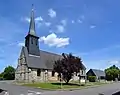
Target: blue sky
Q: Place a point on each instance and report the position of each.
(87, 28)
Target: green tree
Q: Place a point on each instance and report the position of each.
(68, 65)
(9, 73)
(92, 78)
(1, 75)
(112, 72)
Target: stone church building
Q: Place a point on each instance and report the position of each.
(37, 65)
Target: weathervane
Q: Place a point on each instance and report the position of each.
(32, 7)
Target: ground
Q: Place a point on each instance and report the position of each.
(58, 85)
(16, 89)
(22, 90)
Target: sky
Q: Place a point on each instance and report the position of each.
(89, 29)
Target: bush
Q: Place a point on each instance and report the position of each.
(92, 78)
(108, 78)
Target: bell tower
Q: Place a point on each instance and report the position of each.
(31, 40)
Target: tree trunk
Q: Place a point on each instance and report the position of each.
(67, 81)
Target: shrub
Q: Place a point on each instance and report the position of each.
(92, 78)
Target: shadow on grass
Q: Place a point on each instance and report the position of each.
(69, 84)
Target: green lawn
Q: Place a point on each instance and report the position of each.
(52, 85)
(58, 85)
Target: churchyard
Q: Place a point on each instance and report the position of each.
(63, 86)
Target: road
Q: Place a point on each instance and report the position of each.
(108, 88)
(18, 90)
(21, 90)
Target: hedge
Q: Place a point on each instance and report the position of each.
(92, 78)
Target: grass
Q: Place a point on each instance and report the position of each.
(54, 86)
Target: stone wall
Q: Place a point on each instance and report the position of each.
(23, 73)
(31, 76)
(52, 78)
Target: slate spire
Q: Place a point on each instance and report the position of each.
(32, 23)
(31, 40)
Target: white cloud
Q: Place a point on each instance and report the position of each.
(39, 21)
(21, 44)
(92, 26)
(79, 21)
(27, 19)
(47, 24)
(39, 18)
(52, 13)
(53, 40)
(60, 28)
(64, 22)
(73, 21)
(114, 62)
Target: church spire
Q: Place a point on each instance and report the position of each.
(31, 40)
(32, 23)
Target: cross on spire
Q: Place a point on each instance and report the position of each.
(32, 23)
(32, 7)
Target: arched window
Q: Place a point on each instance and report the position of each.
(82, 72)
(38, 72)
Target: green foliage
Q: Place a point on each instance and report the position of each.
(54, 86)
(112, 73)
(92, 78)
(67, 66)
(9, 73)
(1, 75)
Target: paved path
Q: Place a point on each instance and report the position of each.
(20, 90)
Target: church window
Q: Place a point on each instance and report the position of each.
(53, 73)
(38, 72)
(82, 72)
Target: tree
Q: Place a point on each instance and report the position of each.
(9, 73)
(1, 75)
(112, 72)
(68, 65)
(92, 78)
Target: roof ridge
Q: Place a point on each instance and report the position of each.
(50, 52)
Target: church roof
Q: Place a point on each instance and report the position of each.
(44, 61)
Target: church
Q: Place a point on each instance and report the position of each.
(36, 65)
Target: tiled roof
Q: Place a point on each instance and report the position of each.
(97, 72)
(44, 61)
